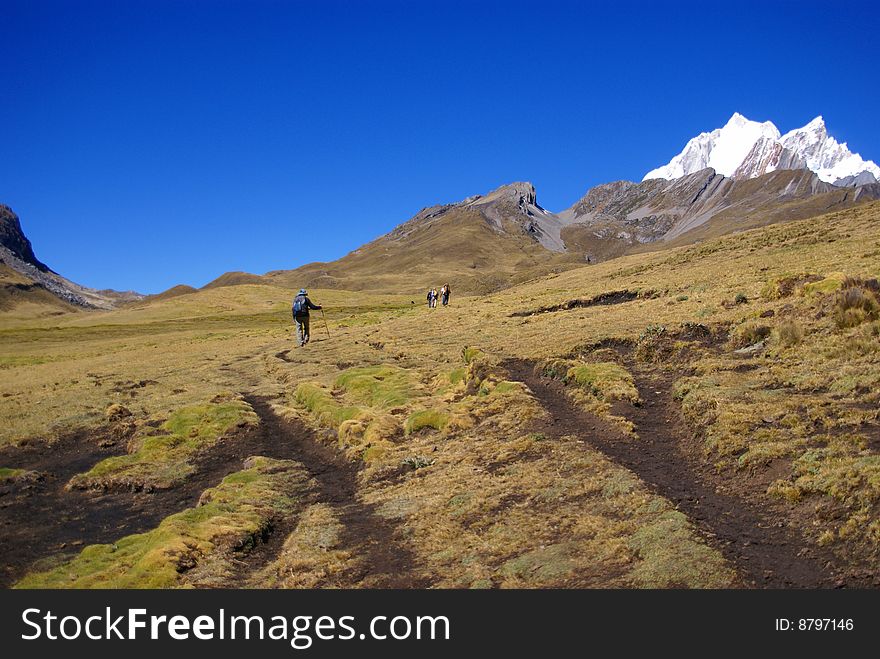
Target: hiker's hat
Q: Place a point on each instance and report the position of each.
(302, 291)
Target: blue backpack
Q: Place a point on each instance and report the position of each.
(299, 305)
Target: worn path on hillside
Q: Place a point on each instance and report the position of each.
(379, 560)
(765, 552)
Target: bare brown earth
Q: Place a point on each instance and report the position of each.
(40, 517)
(611, 297)
(766, 552)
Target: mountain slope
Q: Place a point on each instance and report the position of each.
(480, 244)
(26, 298)
(612, 219)
(488, 242)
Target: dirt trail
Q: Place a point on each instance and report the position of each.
(603, 299)
(766, 553)
(41, 518)
(381, 561)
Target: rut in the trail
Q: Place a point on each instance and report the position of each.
(43, 518)
(381, 561)
(765, 552)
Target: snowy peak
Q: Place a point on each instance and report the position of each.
(816, 124)
(746, 149)
(723, 149)
(831, 160)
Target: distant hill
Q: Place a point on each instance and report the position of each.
(233, 279)
(174, 291)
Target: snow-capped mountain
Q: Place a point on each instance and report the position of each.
(824, 155)
(723, 149)
(746, 149)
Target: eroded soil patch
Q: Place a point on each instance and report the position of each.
(40, 519)
(766, 552)
(610, 297)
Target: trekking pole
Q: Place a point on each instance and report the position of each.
(325, 323)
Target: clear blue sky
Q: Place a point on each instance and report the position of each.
(150, 143)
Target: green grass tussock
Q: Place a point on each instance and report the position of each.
(856, 302)
(9, 474)
(163, 460)
(789, 333)
(470, 354)
(749, 333)
(422, 419)
(829, 284)
(786, 285)
(377, 386)
(605, 380)
(326, 409)
(457, 376)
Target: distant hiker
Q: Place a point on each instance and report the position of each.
(434, 297)
(444, 294)
(430, 298)
(301, 306)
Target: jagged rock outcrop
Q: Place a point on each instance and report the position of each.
(17, 253)
(14, 240)
(860, 179)
(512, 208)
(768, 155)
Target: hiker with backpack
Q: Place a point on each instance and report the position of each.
(432, 296)
(301, 306)
(444, 294)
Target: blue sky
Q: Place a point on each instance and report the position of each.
(147, 144)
